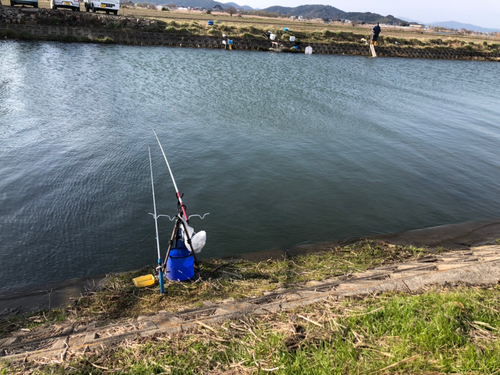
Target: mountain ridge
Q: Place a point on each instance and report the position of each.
(328, 12)
(460, 26)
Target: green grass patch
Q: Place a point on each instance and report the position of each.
(437, 332)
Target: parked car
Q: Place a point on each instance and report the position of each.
(33, 3)
(105, 5)
(70, 4)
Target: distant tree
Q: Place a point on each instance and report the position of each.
(208, 11)
(231, 11)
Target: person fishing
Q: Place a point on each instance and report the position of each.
(375, 32)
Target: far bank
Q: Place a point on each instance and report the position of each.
(79, 27)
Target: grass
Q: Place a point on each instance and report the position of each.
(440, 331)
(195, 23)
(219, 280)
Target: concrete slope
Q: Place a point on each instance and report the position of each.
(476, 266)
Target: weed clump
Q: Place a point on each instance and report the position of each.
(247, 35)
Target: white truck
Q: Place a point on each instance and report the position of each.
(105, 5)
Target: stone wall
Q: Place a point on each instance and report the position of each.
(46, 24)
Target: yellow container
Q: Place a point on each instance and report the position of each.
(143, 281)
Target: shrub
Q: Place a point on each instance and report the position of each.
(8, 33)
(416, 42)
(26, 36)
(316, 35)
(70, 38)
(255, 30)
(328, 34)
(113, 25)
(344, 36)
(436, 41)
(226, 28)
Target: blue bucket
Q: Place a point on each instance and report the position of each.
(180, 264)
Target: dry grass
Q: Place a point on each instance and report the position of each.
(439, 331)
(299, 28)
(218, 280)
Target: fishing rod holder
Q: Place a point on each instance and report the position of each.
(175, 217)
(179, 251)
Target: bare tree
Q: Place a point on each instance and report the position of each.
(231, 11)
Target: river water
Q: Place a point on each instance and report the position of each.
(280, 149)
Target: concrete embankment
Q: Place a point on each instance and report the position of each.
(43, 24)
(462, 236)
(477, 266)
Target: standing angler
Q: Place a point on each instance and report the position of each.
(375, 31)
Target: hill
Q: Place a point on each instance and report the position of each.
(466, 26)
(243, 7)
(329, 12)
(207, 4)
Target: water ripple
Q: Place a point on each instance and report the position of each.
(280, 149)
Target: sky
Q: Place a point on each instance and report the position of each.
(484, 13)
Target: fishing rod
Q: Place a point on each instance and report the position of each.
(160, 265)
(179, 198)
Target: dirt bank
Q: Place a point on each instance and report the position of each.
(57, 25)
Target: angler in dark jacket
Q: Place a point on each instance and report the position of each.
(375, 31)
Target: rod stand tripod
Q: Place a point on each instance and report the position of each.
(174, 239)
